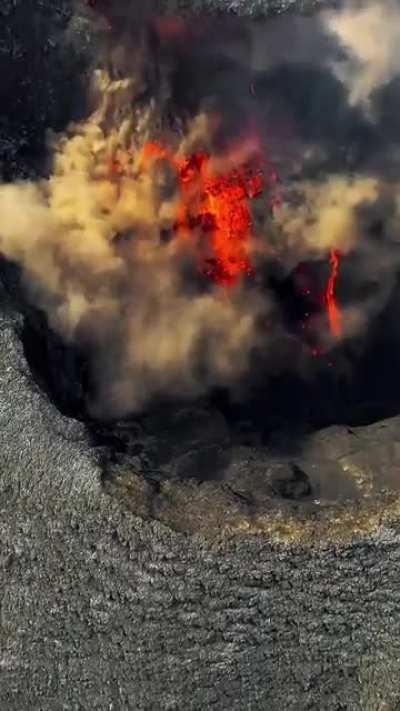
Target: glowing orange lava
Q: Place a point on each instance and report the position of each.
(334, 316)
(214, 206)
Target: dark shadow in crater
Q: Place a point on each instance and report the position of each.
(58, 368)
(296, 487)
(183, 440)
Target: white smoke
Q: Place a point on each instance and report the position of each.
(369, 32)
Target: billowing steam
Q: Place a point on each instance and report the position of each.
(141, 245)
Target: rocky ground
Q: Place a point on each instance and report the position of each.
(173, 566)
(102, 608)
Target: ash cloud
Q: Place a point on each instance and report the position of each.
(91, 251)
(89, 237)
(369, 33)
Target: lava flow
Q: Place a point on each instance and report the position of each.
(216, 206)
(333, 311)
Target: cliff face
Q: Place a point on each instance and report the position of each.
(118, 592)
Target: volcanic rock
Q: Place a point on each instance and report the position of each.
(102, 606)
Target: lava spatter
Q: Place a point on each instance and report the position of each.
(216, 205)
(333, 311)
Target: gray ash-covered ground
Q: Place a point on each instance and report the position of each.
(268, 581)
(102, 608)
(34, 66)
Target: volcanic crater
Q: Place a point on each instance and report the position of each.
(309, 433)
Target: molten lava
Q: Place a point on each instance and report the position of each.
(333, 311)
(215, 206)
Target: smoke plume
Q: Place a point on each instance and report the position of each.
(369, 33)
(126, 244)
(88, 240)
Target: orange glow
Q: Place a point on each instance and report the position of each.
(170, 28)
(215, 207)
(334, 316)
